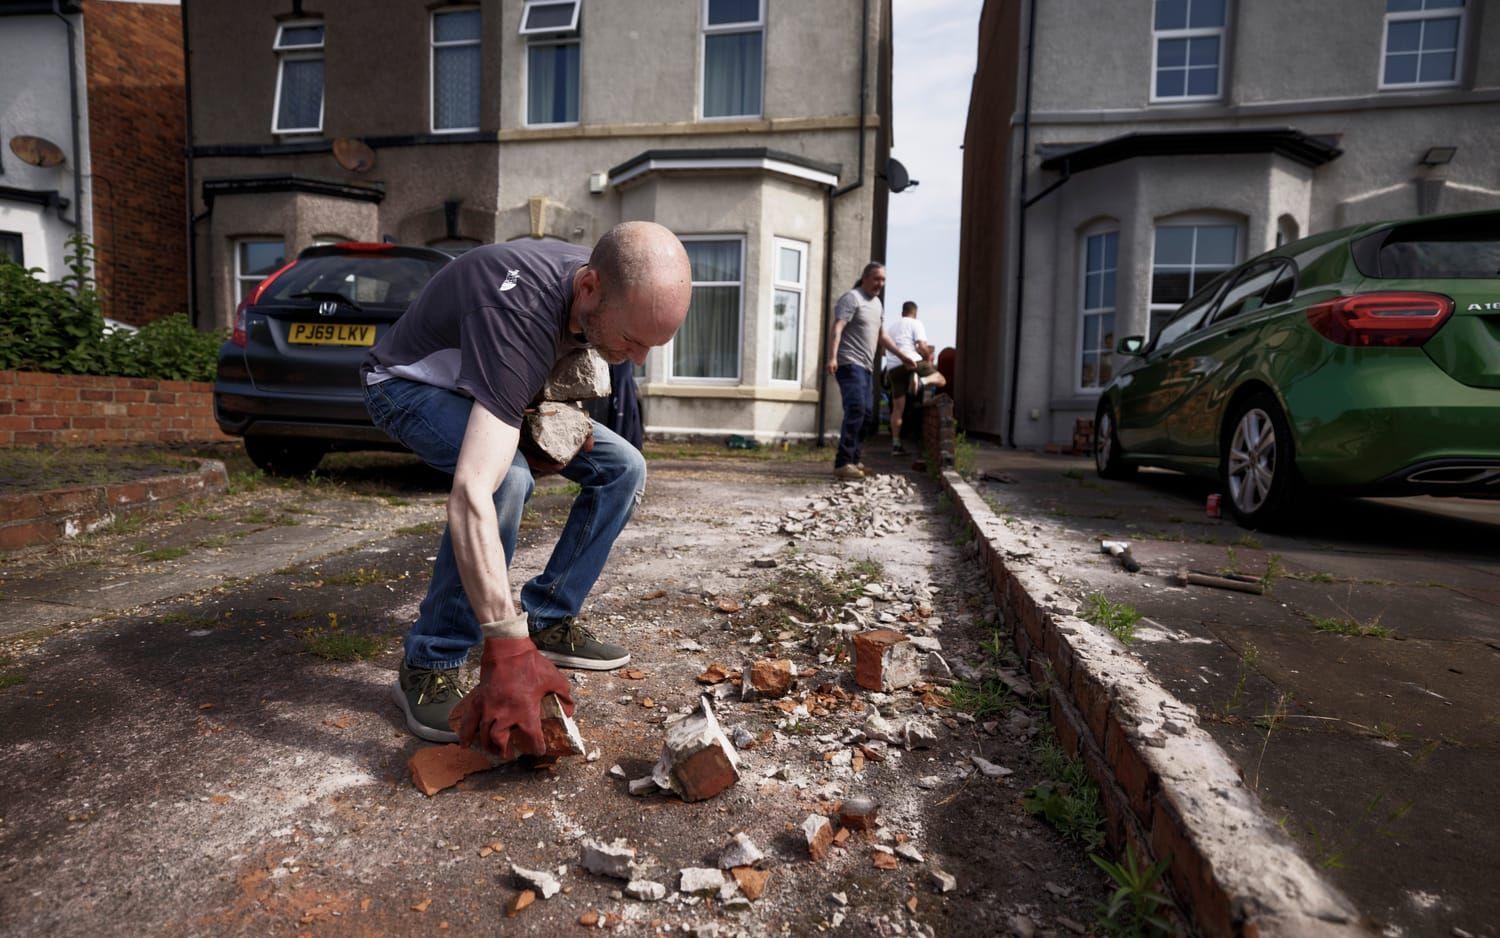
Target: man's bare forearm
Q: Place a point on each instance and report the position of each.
(489, 447)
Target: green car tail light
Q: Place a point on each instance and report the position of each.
(1383, 319)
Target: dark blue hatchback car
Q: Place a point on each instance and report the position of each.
(288, 378)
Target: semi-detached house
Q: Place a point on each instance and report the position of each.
(1118, 156)
(751, 128)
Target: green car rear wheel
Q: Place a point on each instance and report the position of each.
(1257, 469)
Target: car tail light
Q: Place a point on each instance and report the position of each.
(364, 247)
(240, 337)
(1383, 319)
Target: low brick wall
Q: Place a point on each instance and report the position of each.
(83, 410)
(30, 518)
(1168, 790)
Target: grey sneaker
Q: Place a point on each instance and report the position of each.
(849, 472)
(425, 695)
(570, 645)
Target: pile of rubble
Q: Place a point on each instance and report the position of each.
(870, 507)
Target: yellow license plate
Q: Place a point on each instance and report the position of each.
(331, 333)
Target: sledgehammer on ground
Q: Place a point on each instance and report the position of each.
(1120, 550)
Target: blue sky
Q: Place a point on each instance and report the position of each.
(934, 64)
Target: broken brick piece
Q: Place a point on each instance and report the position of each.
(522, 900)
(884, 861)
(437, 767)
(559, 732)
(768, 678)
(752, 881)
(819, 834)
(727, 605)
(885, 660)
(715, 673)
(858, 812)
(697, 760)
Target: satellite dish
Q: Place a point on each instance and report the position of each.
(37, 151)
(354, 155)
(896, 176)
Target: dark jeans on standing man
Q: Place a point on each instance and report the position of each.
(855, 388)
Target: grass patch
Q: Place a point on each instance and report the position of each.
(425, 528)
(988, 698)
(1119, 619)
(335, 644)
(11, 680)
(359, 577)
(965, 454)
(164, 553)
(266, 516)
(1067, 799)
(1137, 906)
(1316, 576)
(1249, 541)
(1348, 625)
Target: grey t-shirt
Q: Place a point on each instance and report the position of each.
(490, 325)
(862, 315)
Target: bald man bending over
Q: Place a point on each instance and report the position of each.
(487, 331)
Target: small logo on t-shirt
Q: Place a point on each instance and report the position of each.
(510, 280)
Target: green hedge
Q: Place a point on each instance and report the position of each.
(58, 327)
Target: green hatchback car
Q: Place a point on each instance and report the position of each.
(1363, 361)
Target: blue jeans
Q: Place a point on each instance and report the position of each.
(430, 421)
(855, 389)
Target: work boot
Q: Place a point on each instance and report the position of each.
(426, 695)
(849, 472)
(570, 645)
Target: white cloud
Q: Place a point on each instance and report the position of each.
(934, 65)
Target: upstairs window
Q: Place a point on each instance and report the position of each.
(1189, 50)
(455, 70)
(299, 78)
(553, 54)
(733, 57)
(1422, 39)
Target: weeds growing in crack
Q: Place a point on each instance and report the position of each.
(334, 644)
(1269, 722)
(1349, 625)
(360, 577)
(1248, 659)
(1250, 541)
(965, 452)
(1119, 619)
(1275, 570)
(162, 553)
(1067, 798)
(1136, 908)
(986, 698)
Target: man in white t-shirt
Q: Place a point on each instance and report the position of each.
(910, 336)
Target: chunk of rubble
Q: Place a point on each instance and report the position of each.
(643, 786)
(880, 729)
(858, 812)
(644, 890)
(767, 678)
(541, 882)
(752, 881)
(741, 851)
(615, 859)
(434, 768)
(937, 666)
(918, 735)
(909, 852)
(990, 769)
(582, 375)
(819, 835)
(556, 431)
(943, 882)
(700, 881)
(559, 732)
(885, 660)
(697, 760)
(925, 643)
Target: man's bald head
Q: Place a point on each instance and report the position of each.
(635, 291)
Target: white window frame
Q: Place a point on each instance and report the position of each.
(1437, 13)
(1157, 35)
(292, 53)
(240, 277)
(787, 286)
(739, 364)
(433, 46)
(529, 5)
(1189, 221)
(526, 81)
(1084, 312)
(759, 25)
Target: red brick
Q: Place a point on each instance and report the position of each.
(434, 768)
(161, 397)
(1131, 772)
(15, 423)
(58, 394)
(880, 663)
(50, 423)
(7, 377)
(16, 536)
(127, 396)
(96, 394)
(36, 379)
(33, 408)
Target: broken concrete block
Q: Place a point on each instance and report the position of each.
(541, 882)
(437, 767)
(698, 881)
(858, 812)
(819, 835)
(767, 678)
(643, 786)
(579, 376)
(880, 729)
(990, 769)
(741, 851)
(925, 643)
(615, 860)
(885, 660)
(697, 760)
(743, 738)
(644, 890)
(943, 882)
(909, 852)
(918, 735)
(557, 431)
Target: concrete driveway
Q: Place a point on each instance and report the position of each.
(1357, 694)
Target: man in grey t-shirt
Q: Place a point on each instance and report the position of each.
(451, 380)
(858, 331)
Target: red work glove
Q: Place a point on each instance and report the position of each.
(503, 714)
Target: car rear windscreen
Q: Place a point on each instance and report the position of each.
(1464, 248)
(365, 279)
